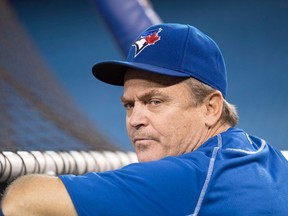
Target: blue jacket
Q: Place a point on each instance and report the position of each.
(230, 174)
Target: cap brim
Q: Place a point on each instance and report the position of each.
(113, 72)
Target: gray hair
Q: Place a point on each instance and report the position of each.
(200, 91)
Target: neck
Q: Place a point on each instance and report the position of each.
(217, 129)
(213, 131)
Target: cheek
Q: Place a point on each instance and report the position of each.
(181, 126)
(170, 128)
(128, 128)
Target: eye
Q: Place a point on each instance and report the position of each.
(155, 102)
(128, 106)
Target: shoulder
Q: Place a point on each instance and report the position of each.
(148, 182)
(186, 164)
(164, 174)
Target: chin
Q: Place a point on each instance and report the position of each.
(146, 156)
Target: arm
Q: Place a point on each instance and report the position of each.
(37, 195)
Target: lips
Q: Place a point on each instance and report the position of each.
(142, 144)
(143, 139)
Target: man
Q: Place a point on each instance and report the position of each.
(192, 159)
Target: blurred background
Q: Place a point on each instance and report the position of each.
(71, 36)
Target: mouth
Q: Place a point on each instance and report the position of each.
(142, 145)
(143, 142)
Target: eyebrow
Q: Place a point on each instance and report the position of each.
(147, 96)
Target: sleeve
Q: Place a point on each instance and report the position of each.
(154, 188)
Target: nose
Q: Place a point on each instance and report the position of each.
(137, 117)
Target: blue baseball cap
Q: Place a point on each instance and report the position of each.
(170, 49)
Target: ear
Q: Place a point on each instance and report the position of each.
(214, 105)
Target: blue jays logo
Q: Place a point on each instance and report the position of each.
(147, 38)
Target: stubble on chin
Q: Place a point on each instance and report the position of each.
(142, 148)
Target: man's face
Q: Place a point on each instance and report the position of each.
(161, 119)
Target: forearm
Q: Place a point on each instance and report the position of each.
(37, 195)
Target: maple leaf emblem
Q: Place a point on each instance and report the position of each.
(151, 39)
(146, 39)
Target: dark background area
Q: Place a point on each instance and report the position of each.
(71, 37)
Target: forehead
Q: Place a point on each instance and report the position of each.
(148, 77)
